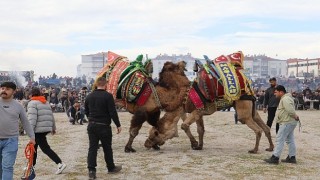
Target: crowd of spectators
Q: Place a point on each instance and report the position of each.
(302, 91)
(67, 91)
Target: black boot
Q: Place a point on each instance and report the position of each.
(291, 159)
(92, 175)
(272, 160)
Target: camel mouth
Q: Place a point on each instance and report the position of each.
(148, 144)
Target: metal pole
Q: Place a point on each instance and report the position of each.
(102, 59)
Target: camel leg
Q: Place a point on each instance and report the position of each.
(258, 131)
(244, 112)
(134, 131)
(153, 118)
(186, 127)
(137, 120)
(183, 117)
(266, 130)
(200, 129)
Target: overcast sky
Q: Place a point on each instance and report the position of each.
(50, 36)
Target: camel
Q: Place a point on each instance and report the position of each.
(246, 113)
(168, 92)
(166, 95)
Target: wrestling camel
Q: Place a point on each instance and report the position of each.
(164, 95)
(244, 107)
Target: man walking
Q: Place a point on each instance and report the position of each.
(100, 109)
(11, 112)
(287, 119)
(271, 102)
(42, 121)
(82, 98)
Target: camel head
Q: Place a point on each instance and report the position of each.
(172, 75)
(155, 138)
(181, 67)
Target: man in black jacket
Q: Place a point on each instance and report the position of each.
(271, 102)
(100, 109)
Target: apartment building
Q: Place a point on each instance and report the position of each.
(91, 64)
(159, 61)
(303, 68)
(261, 66)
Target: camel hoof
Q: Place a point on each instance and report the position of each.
(252, 151)
(197, 148)
(156, 147)
(194, 145)
(269, 149)
(129, 149)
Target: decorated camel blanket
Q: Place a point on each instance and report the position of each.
(127, 81)
(221, 80)
(112, 71)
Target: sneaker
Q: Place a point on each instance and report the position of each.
(115, 170)
(291, 159)
(92, 175)
(61, 167)
(31, 176)
(272, 160)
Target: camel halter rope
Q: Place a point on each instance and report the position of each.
(29, 153)
(155, 94)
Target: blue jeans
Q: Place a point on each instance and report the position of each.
(8, 154)
(286, 134)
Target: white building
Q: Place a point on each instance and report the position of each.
(91, 64)
(261, 66)
(159, 61)
(304, 68)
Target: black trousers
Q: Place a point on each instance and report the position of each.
(103, 133)
(271, 115)
(41, 141)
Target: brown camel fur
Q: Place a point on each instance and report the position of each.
(171, 88)
(246, 113)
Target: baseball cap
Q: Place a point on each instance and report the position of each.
(8, 84)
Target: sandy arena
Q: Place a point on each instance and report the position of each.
(225, 154)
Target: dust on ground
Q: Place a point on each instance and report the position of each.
(224, 156)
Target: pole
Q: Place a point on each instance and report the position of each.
(102, 59)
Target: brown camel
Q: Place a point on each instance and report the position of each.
(246, 113)
(165, 96)
(169, 93)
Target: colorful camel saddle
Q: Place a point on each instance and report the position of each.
(112, 71)
(134, 83)
(197, 98)
(221, 80)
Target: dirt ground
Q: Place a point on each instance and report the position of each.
(225, 154)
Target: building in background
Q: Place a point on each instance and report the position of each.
(159, 61)
(91, 64)
(256, 66)
(303, 68)
(261, 66)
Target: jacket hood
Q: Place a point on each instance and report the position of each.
(288, 94)
(39, 98)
